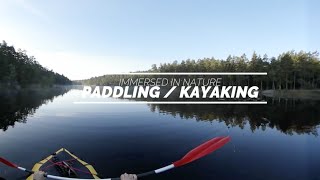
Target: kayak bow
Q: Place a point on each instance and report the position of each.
(64, 163)
(87, 171)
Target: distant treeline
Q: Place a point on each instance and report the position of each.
(19, 69)
(290, 70)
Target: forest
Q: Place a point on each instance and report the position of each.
(17, 69)
(290, 70)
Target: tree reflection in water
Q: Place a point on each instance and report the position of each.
(17, 107)
(287, 116)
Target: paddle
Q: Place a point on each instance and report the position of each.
(196, 153)
(10, 164)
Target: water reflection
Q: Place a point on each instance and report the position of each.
(121, 127)
(18, 106)
(287, 116)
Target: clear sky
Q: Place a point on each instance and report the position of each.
(85, 38)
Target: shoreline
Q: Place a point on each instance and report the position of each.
(14, 90)
(302, 94)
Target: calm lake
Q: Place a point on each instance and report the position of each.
(275, 141)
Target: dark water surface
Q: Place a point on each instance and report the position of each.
(275, 141)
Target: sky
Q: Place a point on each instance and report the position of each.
(87, 38)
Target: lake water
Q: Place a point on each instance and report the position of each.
(275, 141)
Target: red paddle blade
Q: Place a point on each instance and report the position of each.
(8, 163)
(203, 150)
